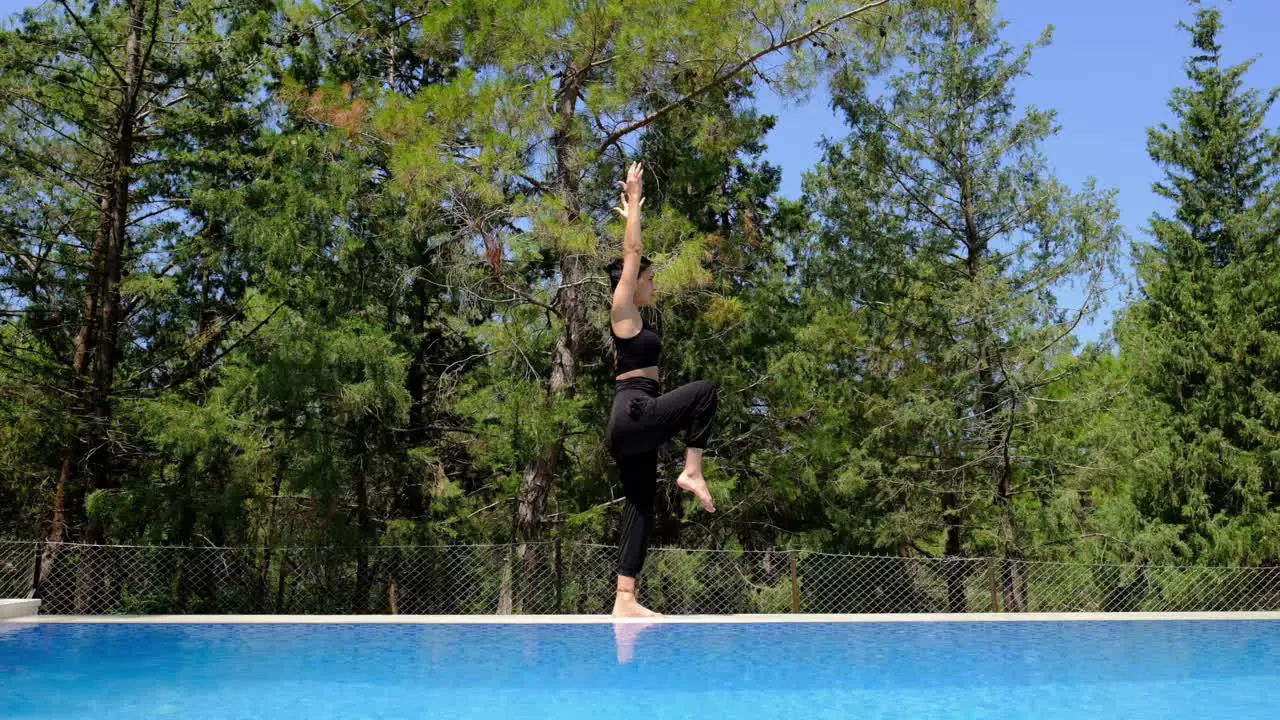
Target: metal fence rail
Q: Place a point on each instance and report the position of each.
(565, 577)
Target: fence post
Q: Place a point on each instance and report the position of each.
(283, 573)
(506, 599)
(992, 565)
(393, 594)
(559, 579)
(795, 584)
(35, 577)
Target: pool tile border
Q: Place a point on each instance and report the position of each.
(605, 619)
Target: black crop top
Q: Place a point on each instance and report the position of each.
(640, 351)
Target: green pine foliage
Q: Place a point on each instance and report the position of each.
(280, 274)
(1202, 340)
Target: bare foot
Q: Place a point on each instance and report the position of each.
(698, 486)
(625, 605)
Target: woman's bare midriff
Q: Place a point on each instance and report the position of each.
(650, 372)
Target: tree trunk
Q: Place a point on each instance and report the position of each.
(99, 335)
(107, 348)
(364, 579)
(535, 487)
(65, 493)
(957, 574)
(987, 409)
(268, 534)
(188, 560)
(57, 528)
(505, 593)
(410, 500)
(97, 338)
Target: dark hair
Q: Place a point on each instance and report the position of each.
(615, 270)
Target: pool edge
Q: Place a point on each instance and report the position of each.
(18, 607)
(605, 619)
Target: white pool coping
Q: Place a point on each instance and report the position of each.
(606, 619)
(18, 608)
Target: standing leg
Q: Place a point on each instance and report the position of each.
(634, 442)
(639, 482)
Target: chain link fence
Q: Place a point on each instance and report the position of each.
(577, 578)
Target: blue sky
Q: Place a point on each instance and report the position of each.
(1108, 74)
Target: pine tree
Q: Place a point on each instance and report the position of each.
(109, 113)
(554, 96)
(1203, 338)
(944, 237)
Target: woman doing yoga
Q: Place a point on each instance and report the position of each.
(643, 417)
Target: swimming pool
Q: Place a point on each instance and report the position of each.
(1044, 670)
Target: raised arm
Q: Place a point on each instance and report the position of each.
(625, 316)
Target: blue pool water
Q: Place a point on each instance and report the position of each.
(1206, 669)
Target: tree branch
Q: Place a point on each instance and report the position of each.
(625, 130)
(59, 133)
(151, 43)
(92, 41)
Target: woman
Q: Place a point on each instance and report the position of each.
(643, 417)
